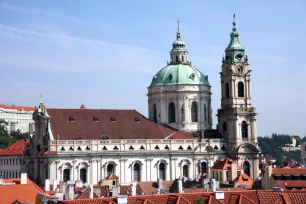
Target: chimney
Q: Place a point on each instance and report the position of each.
(24, 178)
(54, 184)
(70, 191)
(47, 185)
(180, 186)
(160, 183)
(116, 191)
(213, 185)
(133, 188)
(233, 170)
(122, 199)
(90, 191)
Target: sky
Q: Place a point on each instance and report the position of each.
(103, 54)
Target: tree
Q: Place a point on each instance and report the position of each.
(3, 130)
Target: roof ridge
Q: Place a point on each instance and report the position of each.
(244, 196)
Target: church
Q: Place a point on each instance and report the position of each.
(177, 140)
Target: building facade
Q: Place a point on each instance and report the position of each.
(17, 118)
(89, 144)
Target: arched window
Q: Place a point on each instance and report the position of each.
(205, 112)
(227, 91)
(66, 175)
(154, 113)
(244, 129)
(185, 170)
(110, 169)
(136, 172)
(171, 113)
(240, 89)
(176, 58)
(224, 126)
(194, 112)
(162, 171)
(83, 175)
(182, 58)
(203, 167)
(246, 168)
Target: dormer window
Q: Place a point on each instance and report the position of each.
(192, 76)
(71, 119)
(95, 118)
(104, 137)
(170, 77)
(113, 119)
(137, 120)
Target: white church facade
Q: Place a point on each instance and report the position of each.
(177, 140)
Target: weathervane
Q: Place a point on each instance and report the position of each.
(41, 98)
(178, 26)
(234, 22)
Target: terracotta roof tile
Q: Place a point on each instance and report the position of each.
(291, 183)
(16, 148)
(151, 187)
(225, 163)
(289, 171)
(26, 192)
(123, 126)
(244, 179)
(18, 108)
(297, 197)
(111, 176)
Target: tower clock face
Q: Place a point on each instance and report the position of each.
(240, 69)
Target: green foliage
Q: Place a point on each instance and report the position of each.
(6, 139)
(199, 201)
(271, 146)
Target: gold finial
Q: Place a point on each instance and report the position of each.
(178, 26)
(234, 22)
(41, 98)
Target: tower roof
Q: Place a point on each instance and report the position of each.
(178, 44)
(234, 43)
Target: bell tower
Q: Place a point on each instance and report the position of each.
(237, 116)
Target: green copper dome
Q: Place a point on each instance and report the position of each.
(179, 74)
(179, 70)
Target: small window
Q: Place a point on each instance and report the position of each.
(137, 120)
(131, 148)
(104, 137)
(216, 147)
(223, 148)
(192, 76)
(115, 148)
(189, 148)
(87, 148)
(79, 148)
(71, 148)
(62, 149)
(166, 147)
(142, 148)
(170, 77)
(114, 183)
(156, 147)
(113, 119)
(71, 119)
(95, 118)
(181, 148)
(104, 148)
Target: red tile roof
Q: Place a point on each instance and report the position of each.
(151, 187)
(243, 197)
(50, 152)
(244, 179)
(16, 148)
(18, 108)
(111, 177)
(116, 124)
(19, 192)
(225, 164)
(288, 171)
(291, 183)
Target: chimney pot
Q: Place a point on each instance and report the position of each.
(24, 178)
(47, 185)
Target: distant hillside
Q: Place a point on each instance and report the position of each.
(271, 146)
